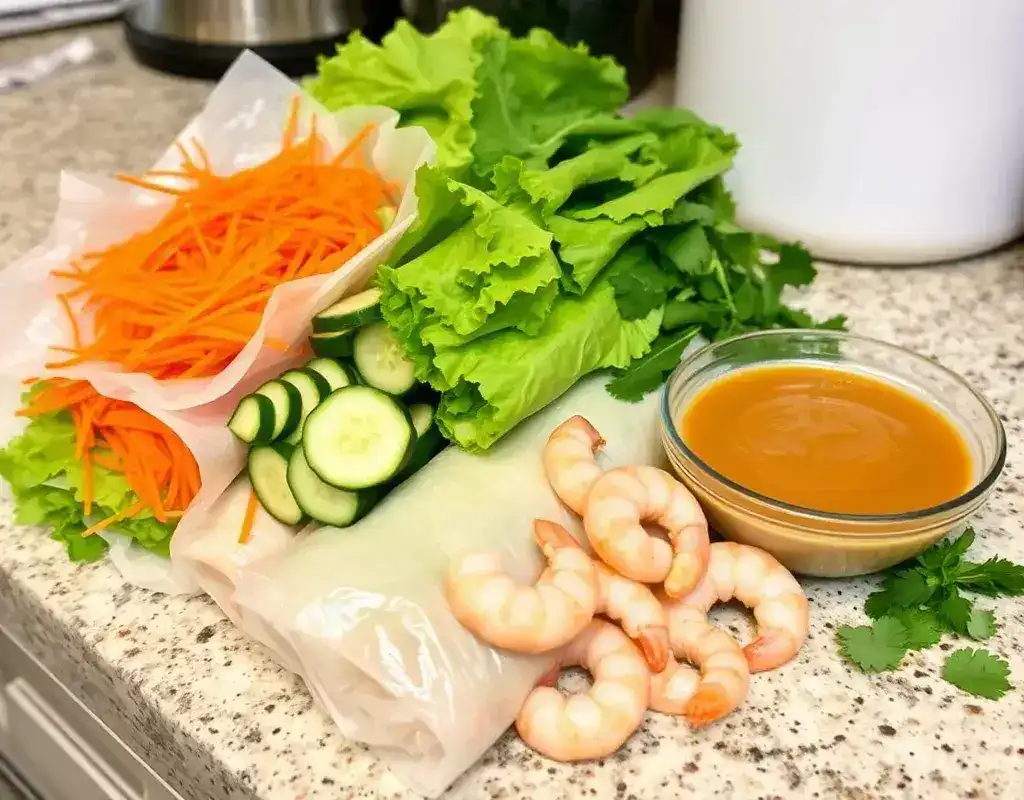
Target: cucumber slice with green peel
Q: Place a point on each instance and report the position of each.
(335, 344)
(358, 437)
(287, 404)
(268, 474)
(349, 312)
(336, 374)
(323, 386)
(313, 387)
(253, 420)
(381, 361)
(323, 502)
(429, 441)
(422, 417)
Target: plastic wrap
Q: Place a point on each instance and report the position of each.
(362, 613)
(240, 126)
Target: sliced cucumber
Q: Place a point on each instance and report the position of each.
(358, 437)
(287, 404)
(335, 344)
(268, 474)
(313, 388)
(429, 441)
(337, 375)
(349, 312)
(253, 419)
(381, 362)
(323, 502)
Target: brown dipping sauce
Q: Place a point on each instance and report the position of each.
(827, 439)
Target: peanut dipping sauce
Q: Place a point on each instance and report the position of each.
(827, 439)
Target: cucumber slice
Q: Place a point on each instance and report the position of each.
(337, 375)
(349, 312)
(287, 404)
(253, 419)
(335, 344)
(358, 437)
(323, 502)
(381, 362)
(429, 441)
(313, 388)
(268, 474)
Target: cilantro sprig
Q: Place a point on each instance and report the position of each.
(711, 277)
(922, 600)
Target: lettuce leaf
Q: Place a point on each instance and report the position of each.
(428, 79)
(530, 92)
(489, 396)
(46, 479)
(470, 268)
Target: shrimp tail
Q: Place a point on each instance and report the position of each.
(583, 425)
(549, 535)
(773, 648)
(654, 644)
(709, 703)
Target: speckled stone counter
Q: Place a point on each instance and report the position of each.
(214, 715)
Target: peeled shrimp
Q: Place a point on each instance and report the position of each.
(724, 677)
(621, 500)
(767, 588)
(569, 461)
(638, 611)
(595, 724)
(526, 619)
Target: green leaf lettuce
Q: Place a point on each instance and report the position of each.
(46, 479)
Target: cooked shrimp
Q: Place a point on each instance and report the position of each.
(724, 675)
(767, 588)
(595, 724)
(569, 461)
(526, 619)
(637, 610)
(673, 687)
(624, 498)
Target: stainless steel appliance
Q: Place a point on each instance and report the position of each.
(201, 38)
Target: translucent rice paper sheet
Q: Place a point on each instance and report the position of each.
(240, 126)
(361, 615)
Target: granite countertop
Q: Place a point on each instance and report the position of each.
(217, 718)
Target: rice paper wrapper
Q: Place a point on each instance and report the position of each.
(362, 613)
(240, 126)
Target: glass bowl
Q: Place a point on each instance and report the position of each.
(821, 543)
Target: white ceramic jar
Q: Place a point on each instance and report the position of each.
(880, 131)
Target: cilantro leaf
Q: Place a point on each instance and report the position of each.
(649, 372)
(877, 647)
(993, 577)
(924, 628)
(955, 610)
(640, 284)
(946, 554)
(982, 624)
(908, 589)
(794, 267)
(978, 672)
(688, 248)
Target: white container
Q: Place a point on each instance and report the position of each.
(885, 131)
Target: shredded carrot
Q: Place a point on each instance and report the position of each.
(193, 288)
(182, 299)
(249, 518)
(119, 436)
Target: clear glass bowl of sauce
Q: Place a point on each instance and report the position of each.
(838, 454)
